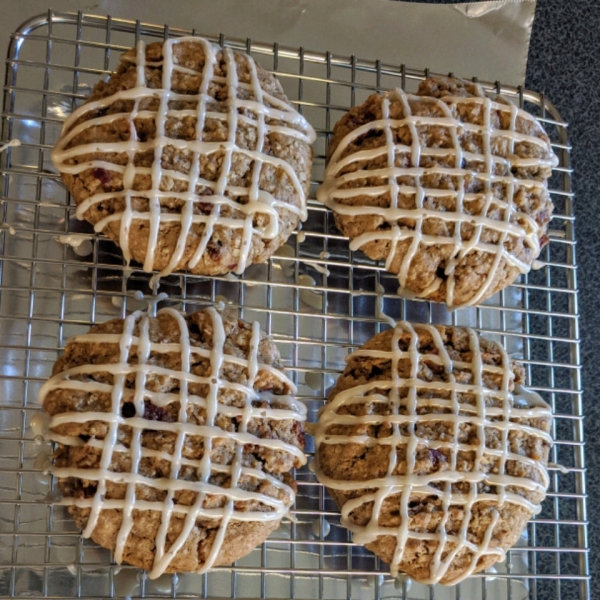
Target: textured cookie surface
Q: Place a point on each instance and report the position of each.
(434, 451)
(189, 157)
(447, 186)
(175, 435)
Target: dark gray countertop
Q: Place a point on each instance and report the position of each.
(564, 62)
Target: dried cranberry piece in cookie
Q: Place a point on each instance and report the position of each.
(155, 413)
(437, 458)
(102, 174)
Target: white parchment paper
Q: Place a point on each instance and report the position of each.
(489, 40)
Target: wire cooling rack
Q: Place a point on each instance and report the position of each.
(316, 299)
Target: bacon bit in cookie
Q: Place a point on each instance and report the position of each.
(155, 413)
(128, 410)
(544, 240)
(102, 174)
(437, 457)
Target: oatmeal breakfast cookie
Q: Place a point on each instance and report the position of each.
(434, 451)
(175, 437)
(189, 157)
(447, 186)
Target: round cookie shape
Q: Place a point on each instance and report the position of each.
(447, 186)
(175, 437)
(189, 157)
(434, 451)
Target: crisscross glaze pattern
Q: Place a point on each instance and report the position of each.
(135, 381)
(464, 420)
(196, 125)
(447, 173)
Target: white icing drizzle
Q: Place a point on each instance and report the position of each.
(9, 228)
(406, 294)
(536, 265)
(12, 144)
(152, 301)
(52, 497)
(42, 462)
(411, 484)
(164, 584)
(403, 582)
(271, 115)
(283, 253)
(280, 260)
(322, 269)
(42, 425)
(379, 312)
(314, 299)
(513, 223)
(221, 300)
(81, 243)
(564, 470)
(39, 427)
(313, 379)
(316, 528)
(154, 282)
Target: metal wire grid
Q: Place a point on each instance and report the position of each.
(51, 290)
